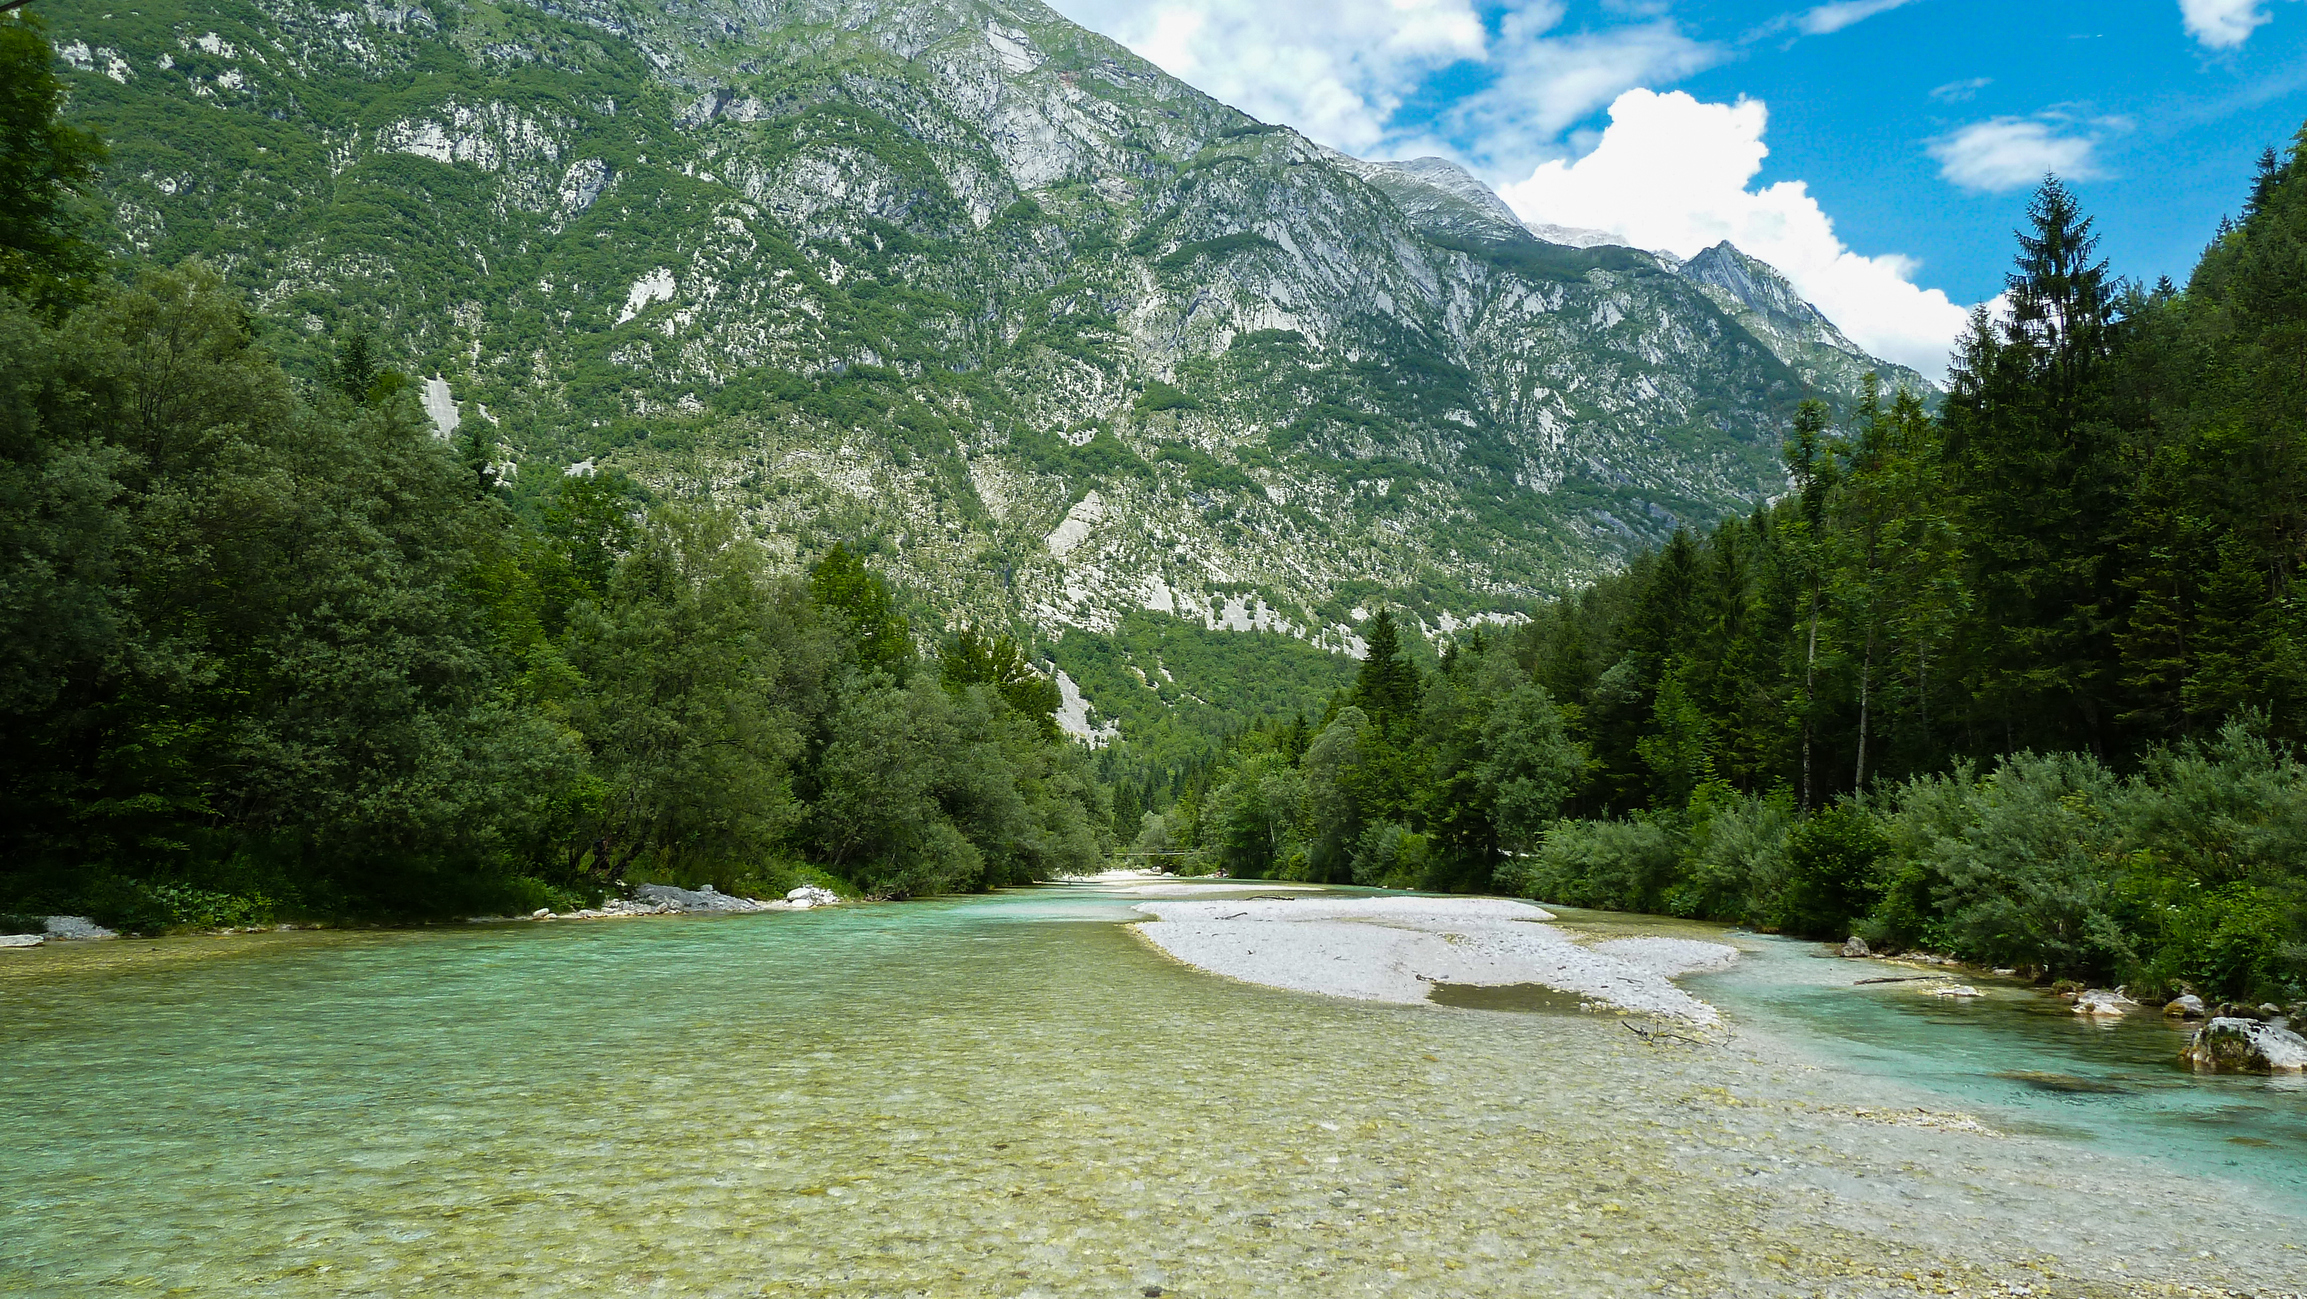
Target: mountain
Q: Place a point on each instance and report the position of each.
(1444, 198)
(1757, 296)
(1065, 343)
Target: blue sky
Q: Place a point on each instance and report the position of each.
(1879, 151)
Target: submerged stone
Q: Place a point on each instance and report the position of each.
(2099, 1001)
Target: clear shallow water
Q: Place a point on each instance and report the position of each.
(1006, 1095)
(2024, 1061)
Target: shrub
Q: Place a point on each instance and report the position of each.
(1622, 865)
(1830, 871)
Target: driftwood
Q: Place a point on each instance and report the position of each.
(1903, 978)
(1653, 1034)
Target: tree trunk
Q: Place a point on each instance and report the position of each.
(1865, 680)
(1809, 695)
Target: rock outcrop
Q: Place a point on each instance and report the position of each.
(706, 900)
(76, 927)
(2246, 1046)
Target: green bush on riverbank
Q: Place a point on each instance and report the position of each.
(2181, 874)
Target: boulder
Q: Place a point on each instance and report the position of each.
(698, 901)
(76, 927)
(21, 940)
(1856, 946)
(809, 895)
(2234, 1045)
(2185, 1006)
(1957, 990)
(2099, 1001)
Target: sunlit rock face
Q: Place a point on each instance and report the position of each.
(939, 274)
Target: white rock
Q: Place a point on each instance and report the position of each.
(21, 940)
(76, 927)
(2099, 1001)
(2246, 1046)
(1956, 990)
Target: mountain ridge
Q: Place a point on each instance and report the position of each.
(1060, 341)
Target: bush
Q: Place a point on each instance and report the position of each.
(1830, 872)
(1621, 865)
(1735, 868)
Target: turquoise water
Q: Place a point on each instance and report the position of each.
(1012, 1095)
(2024, 1061)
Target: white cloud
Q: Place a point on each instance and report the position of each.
(2012, 152)
(2221, 24)
(1340, 70)
(1957, 92)
(1336, 71)
(1547, 84)
(1829, 18)
(1671, 173)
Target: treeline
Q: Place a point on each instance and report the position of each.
(275, 649)
(281, 649)
(1410, 779)
(2016, 679)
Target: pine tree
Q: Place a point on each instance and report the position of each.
(1387, 687)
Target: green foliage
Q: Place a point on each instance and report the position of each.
(974, 659)
(1529, 765)
(1214, 249)
(1162, 396)
(277, 657)
(879, 635)
(1830, 871)
(47, 216)
(1623, 865)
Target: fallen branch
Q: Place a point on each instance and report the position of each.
(1653, 1034)
(1903, 978)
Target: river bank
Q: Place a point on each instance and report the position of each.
(1015, 1095)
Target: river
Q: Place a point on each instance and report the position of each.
(1012, 1095)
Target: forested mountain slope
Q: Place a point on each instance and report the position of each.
(1061, 338)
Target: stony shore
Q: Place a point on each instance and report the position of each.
(647, 900)
(1399, 949)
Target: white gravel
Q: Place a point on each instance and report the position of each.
(1396, 949)
(1216, 889)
